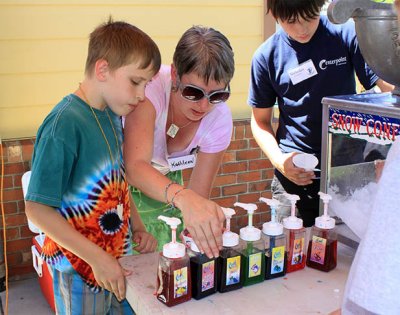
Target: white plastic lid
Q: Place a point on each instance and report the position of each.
(230, 239)
(292, 222)
(272, 228)
(250, 233)
(325, 222)
(174, 250)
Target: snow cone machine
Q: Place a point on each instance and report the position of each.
(358, 130)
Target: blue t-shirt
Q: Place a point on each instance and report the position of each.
(335, 54)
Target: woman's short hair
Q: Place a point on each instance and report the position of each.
(206, 52)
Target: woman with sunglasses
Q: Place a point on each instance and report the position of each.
(183, 123)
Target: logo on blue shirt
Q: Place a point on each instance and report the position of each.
(323, 64)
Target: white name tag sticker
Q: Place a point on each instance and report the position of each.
(182, 162)
(302, 72)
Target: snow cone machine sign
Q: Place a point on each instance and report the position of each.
(372, 128)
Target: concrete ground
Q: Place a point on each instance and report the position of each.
(25, 298)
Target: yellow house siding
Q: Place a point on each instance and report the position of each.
(43, 47)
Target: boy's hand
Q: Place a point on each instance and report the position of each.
(146, 243)
(297, 175)
(110, 275)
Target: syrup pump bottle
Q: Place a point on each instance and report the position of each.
(275, 244)
(173, 281)
(295, 235)
(253, 249)
(230, 260)
(203, 271)
(322, 247)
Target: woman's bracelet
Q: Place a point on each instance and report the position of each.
(176, 193)
(166, 191)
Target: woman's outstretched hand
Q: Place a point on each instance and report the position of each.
(204, 220)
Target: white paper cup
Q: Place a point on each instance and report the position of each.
(306, 161)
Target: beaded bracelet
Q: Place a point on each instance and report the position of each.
(177, 192)
(166, 191)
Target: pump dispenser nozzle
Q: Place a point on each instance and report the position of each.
(325, 199)
(173, 249)
(249, 233)
(229, 212)
(250, 208)
(272, 228)
(292, 222)
(325, 221)
(229, 239)
(172, 222)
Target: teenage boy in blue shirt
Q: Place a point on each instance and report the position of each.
(307, 59)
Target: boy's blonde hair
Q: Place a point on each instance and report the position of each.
(120, 44)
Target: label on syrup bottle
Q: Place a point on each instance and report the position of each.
(207, 275)
(180, 282)
(278, 259)
(233, 270)
(297, 256)
(255, 265)
(318, 247)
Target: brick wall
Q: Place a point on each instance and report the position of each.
(16, 155)
(245, 175)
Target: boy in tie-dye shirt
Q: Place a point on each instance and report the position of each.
(78, 195)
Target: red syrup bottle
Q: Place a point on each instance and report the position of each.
(322, 247)
(173, 277)
(295, 235)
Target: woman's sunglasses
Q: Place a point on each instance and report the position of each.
(194, 94)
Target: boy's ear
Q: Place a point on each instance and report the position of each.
(101, 69)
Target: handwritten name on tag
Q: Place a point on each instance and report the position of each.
(182, 162)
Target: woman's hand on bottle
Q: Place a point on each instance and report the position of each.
(204, 220)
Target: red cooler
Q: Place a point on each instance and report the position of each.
(45, 277)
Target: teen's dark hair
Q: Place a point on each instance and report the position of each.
(292, 10)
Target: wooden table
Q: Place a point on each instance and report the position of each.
(307, 291)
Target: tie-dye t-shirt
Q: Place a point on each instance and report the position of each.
(72, 171)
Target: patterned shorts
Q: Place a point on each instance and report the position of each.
(73, 297)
